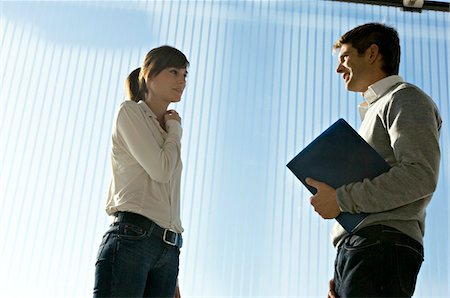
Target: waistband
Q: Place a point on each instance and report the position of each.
(388, 234)
(168, 236)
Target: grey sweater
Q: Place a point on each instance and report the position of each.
(402, 124)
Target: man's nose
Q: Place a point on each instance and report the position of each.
(340, 68)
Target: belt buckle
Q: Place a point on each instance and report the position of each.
(167, 241)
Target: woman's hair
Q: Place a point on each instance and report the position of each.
(132, 85)
(155, 61)
(386, 38)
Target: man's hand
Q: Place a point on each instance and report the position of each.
(331, 292)
(177, 292)
(324, 201)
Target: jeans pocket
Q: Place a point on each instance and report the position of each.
(358, 267)
(409, 261)
(357, 243)
(104, 251)
(102, 244)
(131, 232)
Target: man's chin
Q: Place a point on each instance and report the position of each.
(349, 87)
(352, 88)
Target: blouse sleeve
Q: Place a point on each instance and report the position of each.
(158, 161)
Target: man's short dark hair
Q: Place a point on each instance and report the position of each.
(386, 38)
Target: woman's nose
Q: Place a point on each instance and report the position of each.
(181, 80)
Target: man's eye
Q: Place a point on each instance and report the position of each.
(174, 71)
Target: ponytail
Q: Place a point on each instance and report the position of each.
(133, 87)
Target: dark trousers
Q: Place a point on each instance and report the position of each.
(377, 261)
(132, 262)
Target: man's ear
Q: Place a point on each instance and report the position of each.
(372, 53)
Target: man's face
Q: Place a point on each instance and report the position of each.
(354, 68)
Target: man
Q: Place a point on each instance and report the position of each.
(383, 257)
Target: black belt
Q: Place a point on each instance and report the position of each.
(168, 236)
(383, 232)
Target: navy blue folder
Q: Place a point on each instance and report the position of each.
(339, 156)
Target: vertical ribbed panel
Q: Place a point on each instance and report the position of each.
(261, 86)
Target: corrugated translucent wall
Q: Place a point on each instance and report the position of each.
(261, 86)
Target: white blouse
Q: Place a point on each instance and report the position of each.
(146, 166)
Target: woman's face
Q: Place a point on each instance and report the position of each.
(168, 85)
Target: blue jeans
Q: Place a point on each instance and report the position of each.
(131, 262)
(377, 261)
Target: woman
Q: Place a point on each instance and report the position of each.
(139, 254)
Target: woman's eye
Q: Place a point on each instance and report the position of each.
(174, 71)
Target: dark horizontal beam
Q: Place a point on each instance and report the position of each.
(427, 5)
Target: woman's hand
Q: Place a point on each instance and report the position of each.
(331, 292)
(172, 115)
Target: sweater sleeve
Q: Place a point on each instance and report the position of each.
(158, 161)
(412, 123)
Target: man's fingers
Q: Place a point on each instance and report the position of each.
(314, 183)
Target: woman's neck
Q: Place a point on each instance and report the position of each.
(159, 108)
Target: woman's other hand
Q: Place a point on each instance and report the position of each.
(172, 115)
